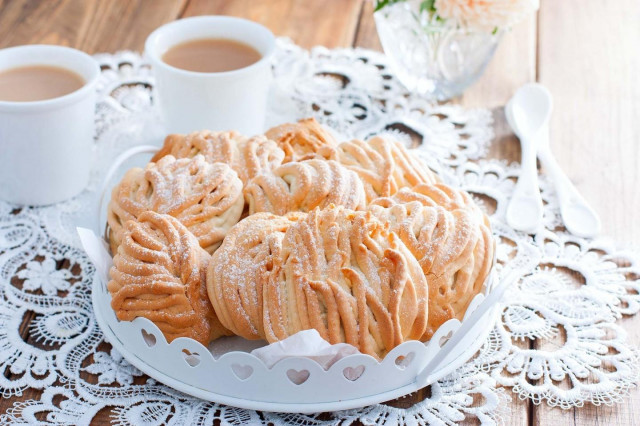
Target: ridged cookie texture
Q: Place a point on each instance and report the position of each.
(159, 273)
(384, 165)
(206, 198)
(304, 140)
(247, 156)
(304, 186)
(335, 270)
(450, 237)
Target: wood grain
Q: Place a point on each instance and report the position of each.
(92, 26)
(367, 35)
(592, 70)
(330, 23)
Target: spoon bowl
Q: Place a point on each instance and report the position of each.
(530, 109)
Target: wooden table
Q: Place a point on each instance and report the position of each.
(585, 51)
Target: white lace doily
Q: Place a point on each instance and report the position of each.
(566, 305)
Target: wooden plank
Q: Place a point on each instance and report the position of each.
(367, 35)
(330, 23)
(595, 128)
(92, 26)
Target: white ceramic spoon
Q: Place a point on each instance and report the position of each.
(578, 217)
(524, 211)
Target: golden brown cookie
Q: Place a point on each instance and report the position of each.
(303, 186)
(206, 198)
(304, 140)
(384, 166)
(159, 274)
(450, 237)
(245, 262)
(335, 270)
(247, 156)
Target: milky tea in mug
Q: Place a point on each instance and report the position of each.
(37, 83)
(47, 107)
(212, 72)
(211, 55)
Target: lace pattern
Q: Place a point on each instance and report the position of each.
(565, 306)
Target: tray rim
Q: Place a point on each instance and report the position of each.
(304, 408)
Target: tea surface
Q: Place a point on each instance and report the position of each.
(211, 55)
(37, 83)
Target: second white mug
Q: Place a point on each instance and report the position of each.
(230, 100)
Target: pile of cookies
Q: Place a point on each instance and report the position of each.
(266, 236)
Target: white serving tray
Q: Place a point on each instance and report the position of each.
(242, 380)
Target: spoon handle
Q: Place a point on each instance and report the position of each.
(578, 217)
(524, 212)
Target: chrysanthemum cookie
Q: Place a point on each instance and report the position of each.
(303, 186)
(451, 239)
(304, 140)
(247, 156)
(206, 198)
(442, 195)
(338, 271)
(159, 273)
(215, 147)
(242, 268)
(384, 166)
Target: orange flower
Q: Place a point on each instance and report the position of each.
(485, 15)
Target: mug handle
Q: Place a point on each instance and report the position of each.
(117, 163)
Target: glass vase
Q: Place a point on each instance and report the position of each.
(430, 56)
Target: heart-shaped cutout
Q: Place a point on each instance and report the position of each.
(353, 373)
(444, 339)
(148, 338)
(403, 361)
(298, 377)
(242, 372)
(192, 358)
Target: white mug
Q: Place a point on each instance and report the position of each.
(230, 100)
(46, 147)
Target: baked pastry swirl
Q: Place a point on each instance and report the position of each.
(384, 166)
(451, 239)
(206, 198)
(242, 268)
(303, 140)
(338, 271)
(247, 156)
(215, 147)
(303, 186)
(358, 240)
(442, 195)
(159, 273)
